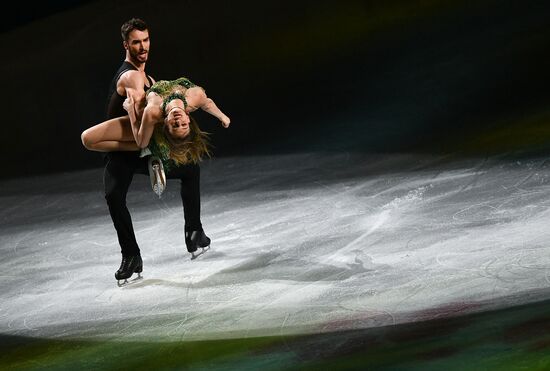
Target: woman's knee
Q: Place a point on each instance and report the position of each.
(87, 139)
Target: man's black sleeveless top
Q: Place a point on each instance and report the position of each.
(114, 101)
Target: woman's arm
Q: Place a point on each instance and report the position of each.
(143, 127)
(210, 107)
(196, 98)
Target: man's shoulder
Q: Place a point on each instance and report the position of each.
(132, 78)
(130, 74)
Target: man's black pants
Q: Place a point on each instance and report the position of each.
(120, 168)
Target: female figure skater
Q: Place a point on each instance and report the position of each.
(161, 122)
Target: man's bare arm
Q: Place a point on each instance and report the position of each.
(133, 81)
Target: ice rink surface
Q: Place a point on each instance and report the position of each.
(301, 244)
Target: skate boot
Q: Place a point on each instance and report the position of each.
(157, 175)
(195, 240)
(130, 264)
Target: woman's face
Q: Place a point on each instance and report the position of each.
(177, 123)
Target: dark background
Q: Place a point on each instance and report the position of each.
(469, 78)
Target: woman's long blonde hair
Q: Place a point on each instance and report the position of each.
(190, 149)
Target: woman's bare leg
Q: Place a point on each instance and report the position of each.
(111, 135)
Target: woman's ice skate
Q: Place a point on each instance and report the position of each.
(157, 175)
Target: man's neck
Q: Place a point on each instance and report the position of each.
(138, 66)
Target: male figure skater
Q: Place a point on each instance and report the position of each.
(120, 166)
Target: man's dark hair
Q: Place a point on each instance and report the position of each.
(129, 26)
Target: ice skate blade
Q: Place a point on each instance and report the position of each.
(157, 175)
(196, 254)
(158, 188)
(129, 281)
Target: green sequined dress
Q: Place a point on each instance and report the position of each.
(168, 91)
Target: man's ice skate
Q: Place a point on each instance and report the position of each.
(195, 240)
(129, 265)
(195, 254)
(157, 175)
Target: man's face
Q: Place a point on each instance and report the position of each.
(138, 45)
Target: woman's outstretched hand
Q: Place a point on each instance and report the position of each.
(225, 121)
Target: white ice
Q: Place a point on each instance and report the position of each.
(300, 243)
